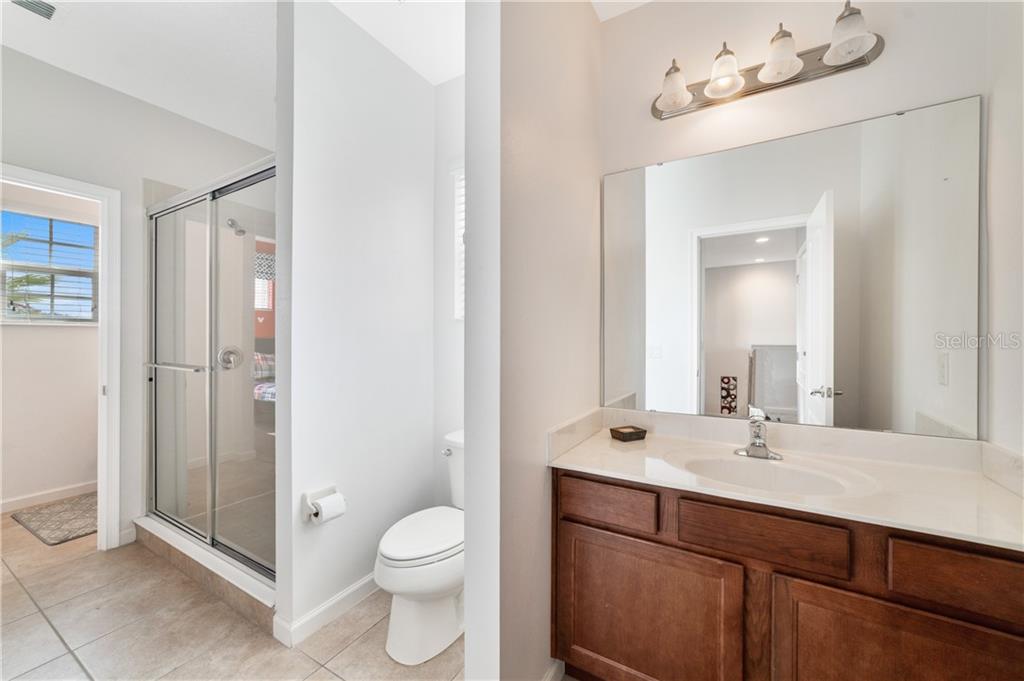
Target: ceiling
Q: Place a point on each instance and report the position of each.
(215, 62)
(428, 35)
(743, 249)
(192, 58)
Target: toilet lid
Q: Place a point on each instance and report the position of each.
(423, 534)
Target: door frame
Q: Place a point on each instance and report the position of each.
(697, 283)
(108, 425)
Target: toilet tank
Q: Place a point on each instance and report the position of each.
(455, 441)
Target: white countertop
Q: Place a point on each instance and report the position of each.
(948, 502)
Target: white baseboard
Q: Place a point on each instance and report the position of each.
(555, 672)
(127, 536)
(18, 503)
(212, 560)
(291, 634)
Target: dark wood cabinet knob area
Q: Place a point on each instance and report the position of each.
(656, 583)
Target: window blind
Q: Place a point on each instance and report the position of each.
(48, 269)
(460, 243)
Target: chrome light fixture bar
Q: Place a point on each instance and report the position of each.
(853, 47)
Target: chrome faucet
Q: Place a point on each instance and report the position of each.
(758, 447)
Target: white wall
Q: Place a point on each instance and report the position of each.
(915, 70)
(550, 283)
(623, 267)
(362, 243)
(449, 154)
(744, 305)
(59, 123)
(483, 341)
(919, 267)
(47, 453)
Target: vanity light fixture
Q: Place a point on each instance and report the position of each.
(782, 62)
(725, 78)
(852, 47)
(674, 94)
(850, 38)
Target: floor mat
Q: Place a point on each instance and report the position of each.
(60, 521)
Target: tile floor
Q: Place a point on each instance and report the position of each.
(70, 612)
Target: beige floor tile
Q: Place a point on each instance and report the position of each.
(26, 561)
(64, 668)
(14, 601)
(66, 580)
(155, 645)
(15, 537)
(366, 660)
(332, 638)
(246, 654)
(98, 612)
(322, 674)
(27, 643)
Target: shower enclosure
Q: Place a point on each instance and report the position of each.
(211, 366)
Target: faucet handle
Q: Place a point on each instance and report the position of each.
(756, 414)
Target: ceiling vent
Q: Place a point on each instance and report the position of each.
(43, 9)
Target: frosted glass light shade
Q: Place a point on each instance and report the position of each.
(725, 78)
(850, 38)
(674, 95)
(782, 62)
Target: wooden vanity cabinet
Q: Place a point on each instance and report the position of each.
(655, 583)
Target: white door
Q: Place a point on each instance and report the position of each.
(815, 315)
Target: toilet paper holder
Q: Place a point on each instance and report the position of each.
(308, 509)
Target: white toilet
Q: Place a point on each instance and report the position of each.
(419, 562)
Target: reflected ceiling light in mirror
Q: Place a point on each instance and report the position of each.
(674, 94)
(762, 239)
(852, 47)
(758, 260)
(850, 38)
(782, 62)
(725, 78)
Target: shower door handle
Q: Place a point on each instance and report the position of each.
(174, 366)
(229, 357)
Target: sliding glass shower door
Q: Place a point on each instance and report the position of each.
(213, 367)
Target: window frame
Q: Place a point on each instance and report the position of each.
(53, 271)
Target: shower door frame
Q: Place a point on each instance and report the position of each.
(249, 175)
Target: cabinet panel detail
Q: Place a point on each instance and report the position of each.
(814, 547)
(979, 584)
(630, 509)
(824, 633)
(628, 609)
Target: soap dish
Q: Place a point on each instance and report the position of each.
(628, 433)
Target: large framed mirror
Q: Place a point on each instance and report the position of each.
(829, 278)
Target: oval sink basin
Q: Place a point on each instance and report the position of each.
(767, 475)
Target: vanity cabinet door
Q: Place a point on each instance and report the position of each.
(824, 633)
(629, 609)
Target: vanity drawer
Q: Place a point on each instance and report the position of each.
(992, 587)
(630, 509)
(817, 548)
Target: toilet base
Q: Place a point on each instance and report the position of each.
(421, 629)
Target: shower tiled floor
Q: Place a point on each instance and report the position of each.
(71, 612)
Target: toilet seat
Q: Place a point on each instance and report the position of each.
(424, 537)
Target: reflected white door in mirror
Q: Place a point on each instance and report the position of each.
(810, 276)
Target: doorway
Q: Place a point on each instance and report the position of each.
(212, 365)
(75, 286)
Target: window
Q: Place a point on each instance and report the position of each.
(460, 243)
(264, 269)
(48, 268)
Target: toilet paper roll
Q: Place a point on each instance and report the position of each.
(329, 507)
